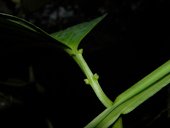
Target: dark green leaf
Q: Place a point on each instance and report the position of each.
(12, 26)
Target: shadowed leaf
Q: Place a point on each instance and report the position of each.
(19, 28)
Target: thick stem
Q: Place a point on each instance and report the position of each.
(92, 79)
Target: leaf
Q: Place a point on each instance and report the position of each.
(21, 27)
(133, 97)
(72, 36)
(13, 21)
(66, 39)
(118, 123)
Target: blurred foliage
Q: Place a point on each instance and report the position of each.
(49, 14)
(30, 6)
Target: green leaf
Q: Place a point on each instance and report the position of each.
(118, 123)
(133, 97)
(72, 36)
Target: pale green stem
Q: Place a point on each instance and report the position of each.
(92, 79)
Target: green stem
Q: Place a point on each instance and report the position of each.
(92, 79)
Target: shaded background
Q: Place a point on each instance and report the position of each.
(128, 44)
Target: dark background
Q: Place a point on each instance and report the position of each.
(128, 44)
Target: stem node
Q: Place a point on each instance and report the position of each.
(87, 81)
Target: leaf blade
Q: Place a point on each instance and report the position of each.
(72, 36)
(125, 105)
(8, 21)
